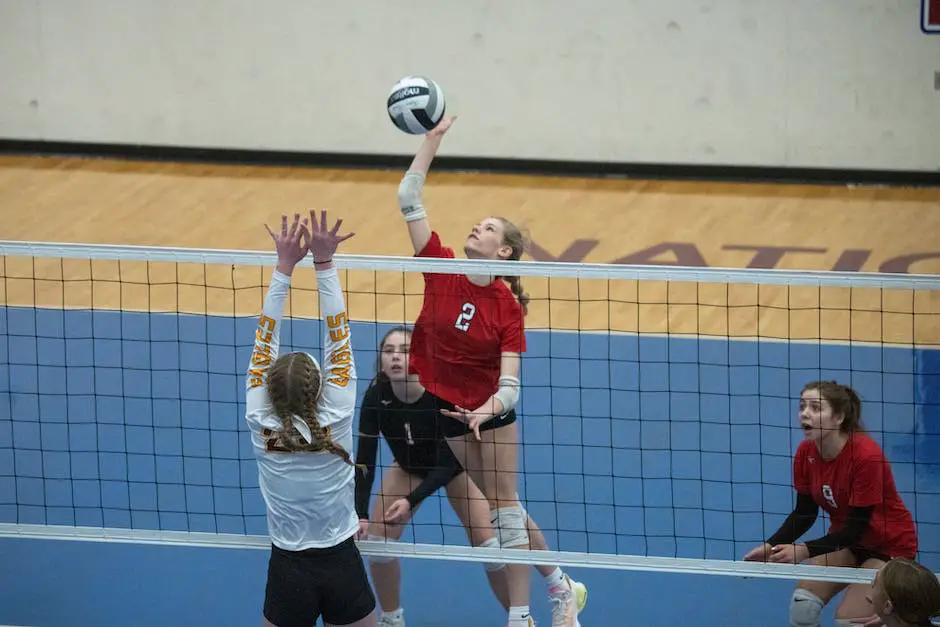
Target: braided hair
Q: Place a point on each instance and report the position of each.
(294, 387)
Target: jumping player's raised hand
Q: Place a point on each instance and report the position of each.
(442, 127)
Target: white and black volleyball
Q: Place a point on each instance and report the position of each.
(416, 105)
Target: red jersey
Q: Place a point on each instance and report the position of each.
(461, 332)
(859, 476)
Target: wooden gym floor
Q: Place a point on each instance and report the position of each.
(626, 221)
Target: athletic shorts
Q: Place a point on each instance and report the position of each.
(862, 555)
(453, 428)
(422, 472)
(305, 585)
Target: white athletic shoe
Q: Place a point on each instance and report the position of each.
(564, 609)
(580, 592)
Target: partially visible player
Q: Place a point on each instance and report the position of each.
(842, 469)
(301, 419)
(399, 409)
(904, 594)
(466, 348)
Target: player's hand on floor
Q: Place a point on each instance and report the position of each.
(870, 621)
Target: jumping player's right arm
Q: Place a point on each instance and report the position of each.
(412, 184)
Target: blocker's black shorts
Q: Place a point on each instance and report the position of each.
(305, 585)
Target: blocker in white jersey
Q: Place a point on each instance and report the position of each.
(309, 494)
(300, 415)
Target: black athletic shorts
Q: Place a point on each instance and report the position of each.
(423, 472)
(862, 555)
(453, 428)
(305, 585)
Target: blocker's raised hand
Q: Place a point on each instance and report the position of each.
(322, 241)
(290, 243)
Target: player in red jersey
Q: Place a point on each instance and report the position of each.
(467, 348)
(842, 469)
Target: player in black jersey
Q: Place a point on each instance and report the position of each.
(396, 407)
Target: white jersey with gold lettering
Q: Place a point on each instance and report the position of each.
(309, 496)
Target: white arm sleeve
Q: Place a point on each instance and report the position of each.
(508, 393)
(338, 366)
(409, 196)
(267, 342)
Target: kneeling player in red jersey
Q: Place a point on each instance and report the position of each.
(843, 470)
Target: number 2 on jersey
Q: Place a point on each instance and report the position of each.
(466, 315)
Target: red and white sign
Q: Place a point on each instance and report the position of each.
(930, 16)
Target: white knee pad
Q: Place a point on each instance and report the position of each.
(492, 543)
(381, 559)
(805, 608)
(510, 523)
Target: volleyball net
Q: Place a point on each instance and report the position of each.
(658, 413)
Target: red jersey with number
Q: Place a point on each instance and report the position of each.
(859, 476)
(461, 332)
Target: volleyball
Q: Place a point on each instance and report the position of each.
(416, 105)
